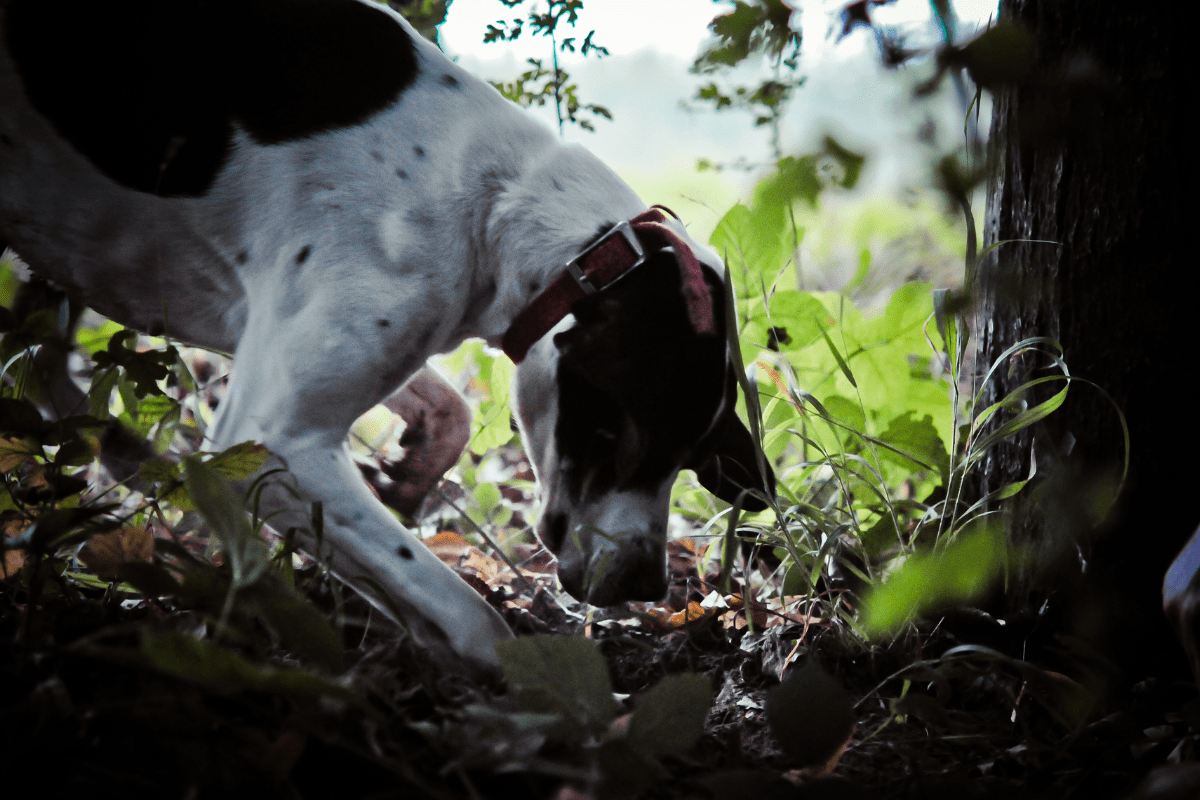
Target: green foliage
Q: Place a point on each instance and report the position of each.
(957, 572)
(754, 29)
(540, 85)
(425, 15)
(561, 687)
(810, 715)
(44, 502)
(862, 418)
(564, 677)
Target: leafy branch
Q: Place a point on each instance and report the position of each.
(540, 84)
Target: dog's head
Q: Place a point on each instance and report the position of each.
(612, 404)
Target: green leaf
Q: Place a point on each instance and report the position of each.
(222, 509)
(847, 412)
(240, 461)
(802, 314)
(301, 627)
(760, 241)
(488, 496)
(221, 670)
(949, 575)
(560, 675)
(151, 410)
(841, 362)
(919, 439)
(810, 715)
(100, 395)
(669, 719)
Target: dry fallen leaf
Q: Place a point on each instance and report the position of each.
(12, 524)
(14, 451)
(13, 561)
(104, 552)
(464, 558)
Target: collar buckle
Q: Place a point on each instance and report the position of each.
(584, 280)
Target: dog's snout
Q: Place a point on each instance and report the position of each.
(637, 571)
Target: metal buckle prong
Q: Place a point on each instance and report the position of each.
(583, 280)
(622, 228)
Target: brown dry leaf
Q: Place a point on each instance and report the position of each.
(693, 613)
(464, 557)
(736, 618)
(13, 561)
(35, 476)
(787, 609)
(104, 552)
(448, 546)
(14, 451)
(12, 524)
(681, 554)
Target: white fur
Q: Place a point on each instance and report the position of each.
(485, 218)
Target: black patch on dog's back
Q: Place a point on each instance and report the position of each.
(149, 90)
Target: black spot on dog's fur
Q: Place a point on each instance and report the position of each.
(450, 81)
(302, 256)
(419, 151)
(242, 257)
(383, 323)
(401, 174)
(150, 91)
(405, 553)
(378, 156)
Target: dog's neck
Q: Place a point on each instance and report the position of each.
(541, 219)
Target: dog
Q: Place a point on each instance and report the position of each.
(316, 189)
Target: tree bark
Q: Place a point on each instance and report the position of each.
(1091, 157)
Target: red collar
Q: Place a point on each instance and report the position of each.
(599, 266)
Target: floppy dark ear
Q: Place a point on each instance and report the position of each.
(729, 464)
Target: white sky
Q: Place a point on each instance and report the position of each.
(654, 141)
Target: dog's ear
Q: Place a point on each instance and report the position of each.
(728, 464)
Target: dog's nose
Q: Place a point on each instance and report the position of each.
(639, 572)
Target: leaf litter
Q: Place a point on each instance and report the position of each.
(179, 654)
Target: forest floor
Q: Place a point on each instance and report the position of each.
(86, 709)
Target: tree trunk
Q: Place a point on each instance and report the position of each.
(1091, 157)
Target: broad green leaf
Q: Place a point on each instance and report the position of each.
(918, 439)
(240, 461)
(847, 412)
(802, 314)
(488, 496)
(669, 719)
(955, 573)
(301, 627)
(100, 395)
(810, 715)
(158, 470)
(222, 670)
(559, 675)
(495, 431)
(222, 508)
(760, 242)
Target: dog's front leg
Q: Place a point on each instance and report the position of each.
(299, 395)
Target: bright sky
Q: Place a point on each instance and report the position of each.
(675, 27)
(655, 140)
